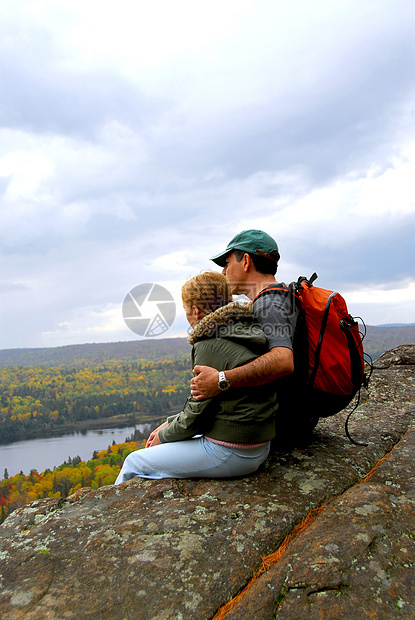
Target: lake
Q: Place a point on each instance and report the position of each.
(41, 454)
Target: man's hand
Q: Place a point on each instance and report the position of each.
(205, 383)
(154, 440)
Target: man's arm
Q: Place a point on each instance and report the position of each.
(272, 365)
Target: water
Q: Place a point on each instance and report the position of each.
(41, 454)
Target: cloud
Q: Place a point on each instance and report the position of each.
(381, 296)
(136, 140)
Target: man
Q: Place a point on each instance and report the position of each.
(250, 262)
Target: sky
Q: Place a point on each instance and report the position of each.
(137, 138)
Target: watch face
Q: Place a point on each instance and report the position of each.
(223, 382)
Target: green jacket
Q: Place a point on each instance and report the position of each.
(224, 339)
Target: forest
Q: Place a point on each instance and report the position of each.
(38, 401)
(100, 470)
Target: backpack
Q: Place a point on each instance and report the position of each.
(329, 355)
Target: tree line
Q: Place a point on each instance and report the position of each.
(98, 353)
(36, 401)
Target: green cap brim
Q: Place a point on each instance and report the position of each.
(220, 259)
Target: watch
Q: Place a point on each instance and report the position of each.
(223, 382)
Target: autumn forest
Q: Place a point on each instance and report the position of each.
(39, 401)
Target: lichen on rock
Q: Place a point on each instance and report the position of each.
(171, 549)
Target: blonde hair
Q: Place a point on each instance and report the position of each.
(208, 291)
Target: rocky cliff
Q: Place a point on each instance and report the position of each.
(324, 530)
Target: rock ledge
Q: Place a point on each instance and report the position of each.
(180, 549)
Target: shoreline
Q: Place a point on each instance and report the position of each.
(119, 421)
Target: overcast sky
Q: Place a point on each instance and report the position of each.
(138, 137)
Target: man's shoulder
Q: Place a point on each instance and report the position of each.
(277, 313)
(275, 285)
(273, 295)
(275, 288)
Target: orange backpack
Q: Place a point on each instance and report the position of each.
(333, 368)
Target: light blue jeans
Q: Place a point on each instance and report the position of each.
(193, 458)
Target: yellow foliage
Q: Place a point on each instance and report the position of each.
(74, 489)
(71, 474)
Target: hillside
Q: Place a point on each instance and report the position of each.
(86, 354)
(379, 339)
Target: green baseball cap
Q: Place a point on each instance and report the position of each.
(252, 241)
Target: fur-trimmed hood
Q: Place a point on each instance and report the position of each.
(231, 321)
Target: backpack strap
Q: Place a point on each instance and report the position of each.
(320, 338)
(272, 289)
